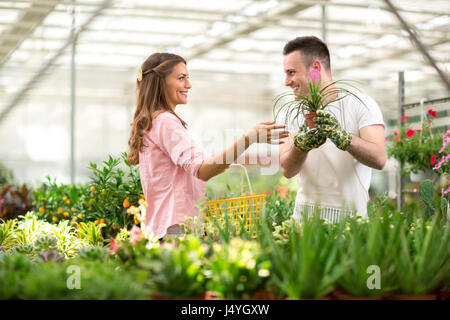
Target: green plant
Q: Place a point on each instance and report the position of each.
(107, 199)
(6, 230)
(56, 202)
(29, 230)
(23, 278)
(424, 258)
(426, 192)
(415, 147)
(306, 265)
(45, 242)
(91, 232)
(370, 243)
(177, 268)
(317, 97)
(113, 190)
(94, 253)
(236, 269)
(279, 209)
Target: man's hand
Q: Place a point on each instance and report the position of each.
(329, 127)
(308, 140)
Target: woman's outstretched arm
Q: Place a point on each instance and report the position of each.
(263, 132)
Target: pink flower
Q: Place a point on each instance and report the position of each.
(433, 159)
(432, 113)
(314, 74)
(386, 138)
(135, 235)
(439, 164)
(446, 191)
(395, 132)
(403, 118)
(410, 133)
(113, 247)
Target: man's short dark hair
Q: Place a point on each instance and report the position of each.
(311, 48)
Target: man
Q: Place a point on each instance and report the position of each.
(332, 163)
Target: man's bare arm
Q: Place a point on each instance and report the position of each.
(291, 159)
(369, 147)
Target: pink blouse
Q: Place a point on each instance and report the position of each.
(169, 165)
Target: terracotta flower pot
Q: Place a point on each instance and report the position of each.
(309, 119)
(262, 295)
(339, 294)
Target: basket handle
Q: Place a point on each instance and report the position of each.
(244, 169)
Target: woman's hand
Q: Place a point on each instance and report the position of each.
(265, 132)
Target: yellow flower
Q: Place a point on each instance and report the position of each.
(96, 222)
(102, 220)
(136, 220)
(41, 209)
(66, 214)
(144, 203)
(129, 210)
(142, 196)
(68, 202)
(80, 216)
(92, 189)
(126, 203)
(55, 219)
(59, 211)
(73, 210)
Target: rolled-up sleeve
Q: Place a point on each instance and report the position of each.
(174, 140)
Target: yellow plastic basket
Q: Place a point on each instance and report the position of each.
(246, 209)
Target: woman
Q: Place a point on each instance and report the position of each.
(173, 167)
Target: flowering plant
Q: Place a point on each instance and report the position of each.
(442, 165)
(318, 97)
(415, 147)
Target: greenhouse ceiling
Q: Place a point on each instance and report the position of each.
(369, 40)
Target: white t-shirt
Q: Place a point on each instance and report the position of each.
(332, 177)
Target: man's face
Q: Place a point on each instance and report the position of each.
(296, 73)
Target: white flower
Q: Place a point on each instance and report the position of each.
(263, 273)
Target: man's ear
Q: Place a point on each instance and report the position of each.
(316, 65)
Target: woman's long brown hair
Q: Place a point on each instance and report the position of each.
(151, 99)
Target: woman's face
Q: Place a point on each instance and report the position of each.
(178, 85)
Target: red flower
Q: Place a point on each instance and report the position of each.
(386, 139)
(403, 118)
(410, 133)
(398, 138)
(433, 159)
(432, 113)
(395, 132)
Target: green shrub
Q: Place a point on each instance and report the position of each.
(236, 269)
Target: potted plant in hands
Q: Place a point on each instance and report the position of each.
(309, 102)
(317, 97)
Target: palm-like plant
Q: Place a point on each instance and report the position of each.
(318, 97)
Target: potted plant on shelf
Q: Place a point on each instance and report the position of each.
(317, 97)
(416, 148)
